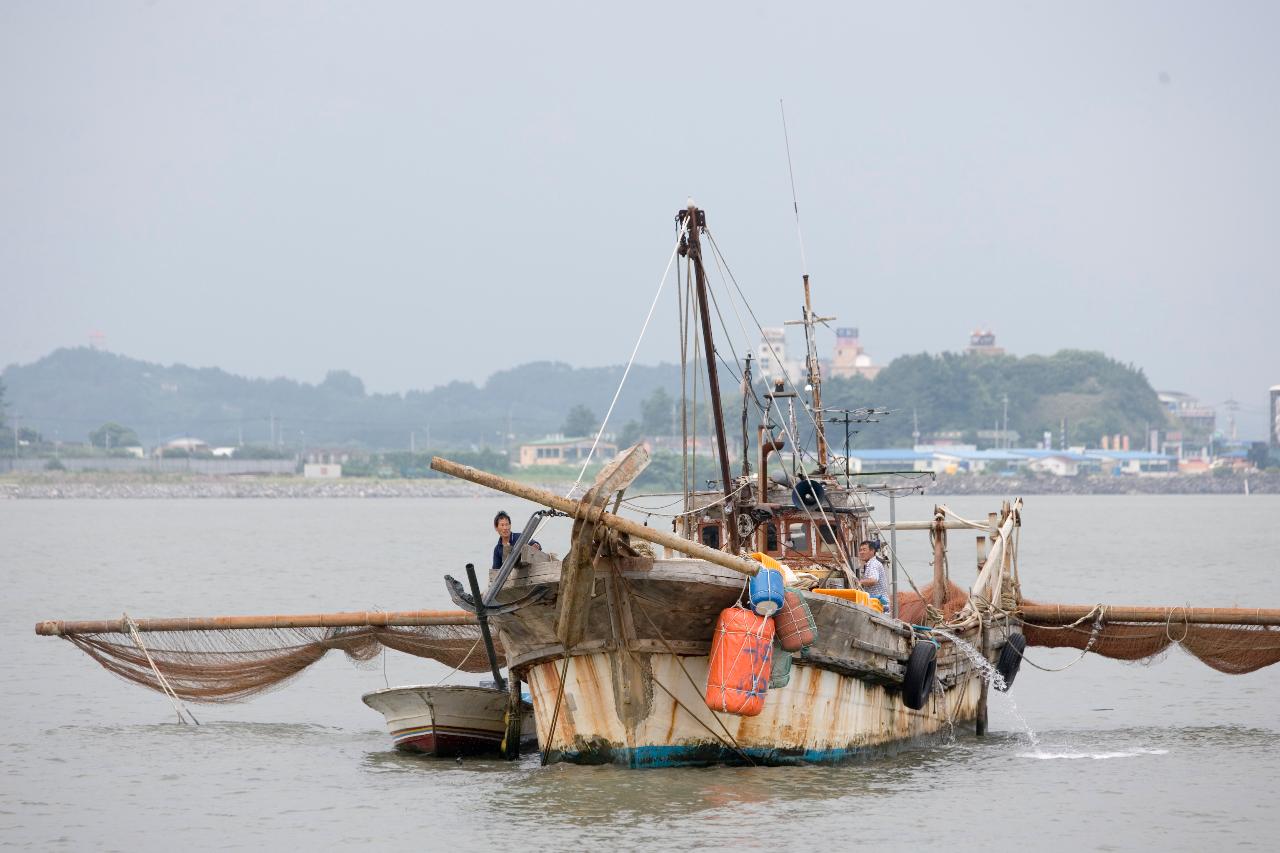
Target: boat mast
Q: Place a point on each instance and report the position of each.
(811, 348)
(693, 220)
(814, 372)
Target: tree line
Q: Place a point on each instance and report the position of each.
(110, 400)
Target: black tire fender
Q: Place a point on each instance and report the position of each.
(922, 673)
(1011, 659)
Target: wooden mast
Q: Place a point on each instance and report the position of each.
(694, 219)
(815, 377)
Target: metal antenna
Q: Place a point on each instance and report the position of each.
(786, 138)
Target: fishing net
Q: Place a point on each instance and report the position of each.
(231, 665)
(1233, 649)
(913, 607)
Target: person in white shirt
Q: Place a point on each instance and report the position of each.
(873, 577)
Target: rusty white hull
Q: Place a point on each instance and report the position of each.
(633, 691)
(446, 721)
(820, 717)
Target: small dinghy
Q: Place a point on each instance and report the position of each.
(448, 721)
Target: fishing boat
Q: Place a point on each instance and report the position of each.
(742, 635)
(446, 721)
(618, 647)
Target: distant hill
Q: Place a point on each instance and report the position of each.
(70, 392)
(965, 393)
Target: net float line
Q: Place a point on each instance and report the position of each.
(572, 508)
(353, 619)
(1068, 614)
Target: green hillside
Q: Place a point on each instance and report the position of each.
(72, 392)
(950, 392)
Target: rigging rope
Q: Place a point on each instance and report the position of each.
(626, 371)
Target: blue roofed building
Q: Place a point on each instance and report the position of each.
(1133, 461)
(889, 459)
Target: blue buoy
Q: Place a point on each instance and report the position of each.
(766, 591)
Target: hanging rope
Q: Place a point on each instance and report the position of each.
(1093, 638)
(555, 716)
(178, 705)
(627, 370)
(451, 673)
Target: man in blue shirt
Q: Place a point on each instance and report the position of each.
(506, 539)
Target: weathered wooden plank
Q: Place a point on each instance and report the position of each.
(578, 572)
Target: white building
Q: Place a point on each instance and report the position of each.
(772, 350)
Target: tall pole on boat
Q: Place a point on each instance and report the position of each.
(483, 618)
(695, 219)
(893, 549)
(815, 377)
(811, 349)
(939, 558)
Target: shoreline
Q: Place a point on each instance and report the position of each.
(98, 486)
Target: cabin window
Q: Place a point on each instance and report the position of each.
(798, 536)
(826, 536)
(711, 535)
(771, 537)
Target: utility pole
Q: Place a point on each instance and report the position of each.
(1231, 406)
(853, 416)
(1004, 433)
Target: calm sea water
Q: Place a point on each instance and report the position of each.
(1172, 755)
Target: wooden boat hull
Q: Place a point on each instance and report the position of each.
(820, 717)
(632, 692)
(447, 721)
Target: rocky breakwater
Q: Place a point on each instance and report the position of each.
(70, 486)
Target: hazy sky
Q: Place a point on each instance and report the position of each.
(426, 192)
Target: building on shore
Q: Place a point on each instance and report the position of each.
(772, 361)
(558, 450)
(850, 359)
(1196, 421)
(983, 342)
(947, 459)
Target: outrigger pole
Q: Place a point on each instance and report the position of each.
(356, 619)
(1069, 614)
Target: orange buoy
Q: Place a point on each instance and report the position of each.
(794, 623)
(741, 662)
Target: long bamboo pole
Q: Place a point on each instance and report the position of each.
(949, 524)
(355, 619)
(626, 525)
(1065, 614)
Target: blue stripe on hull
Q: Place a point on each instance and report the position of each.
(707, 754)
